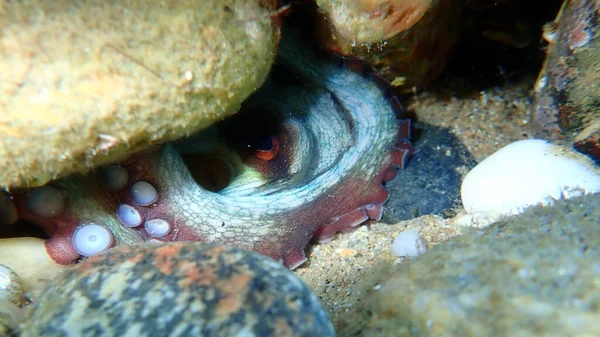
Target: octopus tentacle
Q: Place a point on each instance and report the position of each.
(304, 159)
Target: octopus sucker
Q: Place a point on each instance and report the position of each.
(305, 158)
(8, 210)
(91, 239)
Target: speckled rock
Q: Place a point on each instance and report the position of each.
(536, 274)
(178, 289)
(85, 82)
(430, 184)
(568, 87)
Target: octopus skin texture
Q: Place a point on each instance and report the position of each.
(304, 158)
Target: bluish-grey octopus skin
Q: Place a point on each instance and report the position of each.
(305, 158)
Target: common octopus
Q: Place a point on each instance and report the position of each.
(305, 158)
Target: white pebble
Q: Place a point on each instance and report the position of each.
(408, 244)
(526, 173)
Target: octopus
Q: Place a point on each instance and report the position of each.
(305, 158)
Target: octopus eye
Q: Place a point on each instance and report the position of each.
(262, 136)
(263, 143)
(45, 202)
(143, 193)
(129, 216)
(92, 239)
(266, 149)
(157, 227)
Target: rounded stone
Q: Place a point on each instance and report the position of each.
(526, 173)
(407, 47)
(11, 288)
(409, 244)
(12, 298)
(178, 289)
(566, 93)
(534, 274)
(109, 78)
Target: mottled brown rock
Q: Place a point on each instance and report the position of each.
(178, 289)
(568, 88)
(407, 43)
(84, 82)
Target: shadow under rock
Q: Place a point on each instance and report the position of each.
(430, 184)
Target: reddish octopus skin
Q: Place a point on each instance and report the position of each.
(282, 235)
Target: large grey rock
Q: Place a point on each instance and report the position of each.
(536, 274)
(178, 289)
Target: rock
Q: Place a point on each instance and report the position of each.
(534, 274)
(10, 318)
(526, 173)
(178, 289)
(430, 184)
(27, 256)
(408, 244)
(11, 288)
(12, 298)
(567, 90)
(406, 42)
(86, 82)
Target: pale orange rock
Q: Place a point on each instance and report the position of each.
(347, 252)
(406, 42)
(369, 21)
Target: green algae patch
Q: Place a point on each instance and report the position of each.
(84, 83)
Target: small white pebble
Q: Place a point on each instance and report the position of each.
(408, 244)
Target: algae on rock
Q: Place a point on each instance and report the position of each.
(83, 83)
(535, 274)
